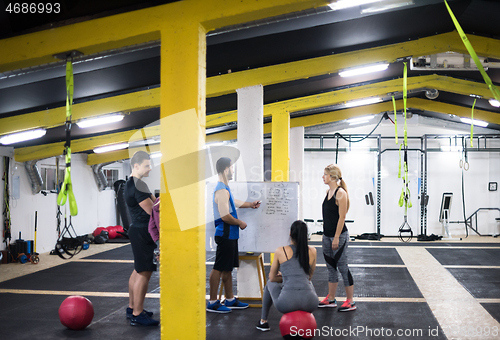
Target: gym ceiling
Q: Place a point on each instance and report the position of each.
(296, 57)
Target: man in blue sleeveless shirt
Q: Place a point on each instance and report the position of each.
(227, 227)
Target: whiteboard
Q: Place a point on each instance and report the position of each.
(268, 227)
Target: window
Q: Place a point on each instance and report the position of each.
(112, 175)
(49, 177)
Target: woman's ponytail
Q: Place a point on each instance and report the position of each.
(344, 186)
(334, 171)
(298, 233)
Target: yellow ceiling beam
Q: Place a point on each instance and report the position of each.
(338, 115)
(222, 136)
(130, 28)
(306, 121)
(460, 111)
(303, 69)
(442, 83)
(317, 119)
(79, 145)
(47, 119)
(266, 76)
(151, 98)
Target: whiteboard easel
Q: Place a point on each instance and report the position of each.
(269, 225)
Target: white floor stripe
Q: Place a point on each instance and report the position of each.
(350, 265)
(457, 311)
(104, 261)
(83, 293)
(351, 245)
(488, 300)
(472, 267)
(369, 299)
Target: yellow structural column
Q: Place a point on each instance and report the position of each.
(182, 211)
(280, 149)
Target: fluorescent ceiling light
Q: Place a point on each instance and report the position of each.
(360, 119)
(155, 155)
(99, 121)
(341, 4)
(386, 6)
(22, 136)
(358, 122)
(475, 121)
(113, 147)
(361, 102)
(494, 102)
(144, 142)
(363, 70)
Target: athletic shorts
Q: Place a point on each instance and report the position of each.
(226, 256)
(143, 248)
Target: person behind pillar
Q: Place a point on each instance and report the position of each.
(140, 204)
(227, 227)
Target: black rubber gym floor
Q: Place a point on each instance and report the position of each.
(36, 317)
(466, 257)
(366, 322)
(32, 316)
(493, 309)
(481, 283)
(377, 272)
(372, 282)
(386, 243)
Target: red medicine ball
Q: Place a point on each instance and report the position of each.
(76, 312)
(112, 232)
(97, 231)
(298, 324)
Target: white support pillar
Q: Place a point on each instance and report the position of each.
(297, 161)
(250, 166)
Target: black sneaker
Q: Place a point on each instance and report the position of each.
(143, 320)
(263, 326)
(130, 311)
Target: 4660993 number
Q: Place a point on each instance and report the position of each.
(33, 8)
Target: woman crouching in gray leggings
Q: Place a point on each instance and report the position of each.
(289, 286)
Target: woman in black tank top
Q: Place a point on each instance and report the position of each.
(336, 238)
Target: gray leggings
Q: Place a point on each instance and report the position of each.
(337, 259)
(287, 301)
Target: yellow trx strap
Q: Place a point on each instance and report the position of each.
(395, 119)
(494, 90)
(399, 164)
(472, 123)
(404, 198)
(66, 193)
(404, 102)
